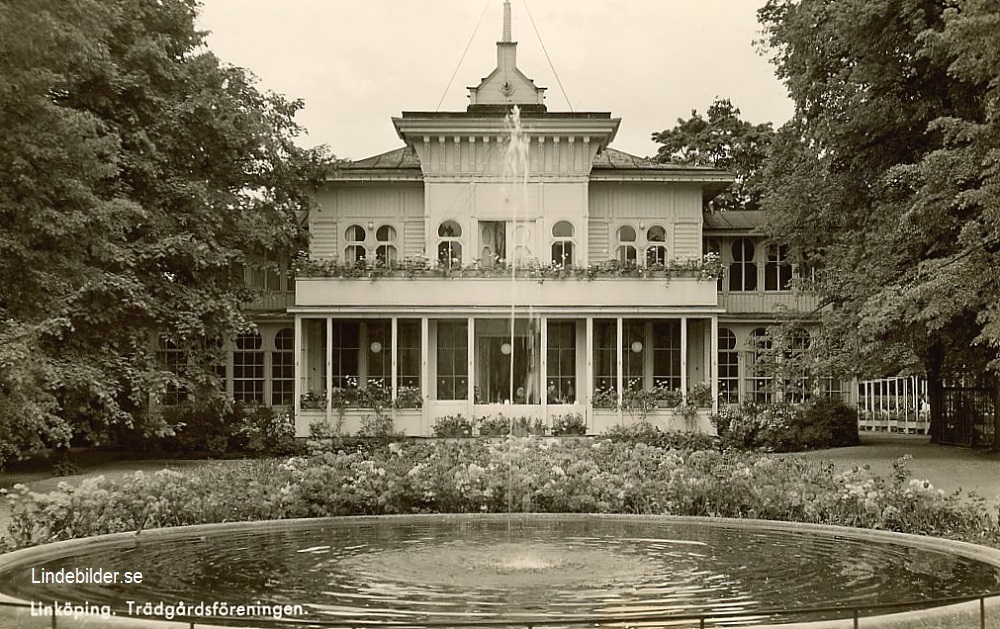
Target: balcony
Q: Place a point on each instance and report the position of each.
(486, 292)
(768, 303)
(414, 283)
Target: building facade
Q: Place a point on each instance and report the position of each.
(514, 263)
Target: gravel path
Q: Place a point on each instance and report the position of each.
(947, 467)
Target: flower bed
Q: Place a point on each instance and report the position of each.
(706, 268)
(572, 475)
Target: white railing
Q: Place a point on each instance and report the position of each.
(898, 404)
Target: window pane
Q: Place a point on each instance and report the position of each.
(626, 233)
(450, 229)
(452, 360)
(656, 234)
(563, 229)
(355, 233)
(386, 233)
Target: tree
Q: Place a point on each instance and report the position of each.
(137, 171)
(722, 141)
(885, 181)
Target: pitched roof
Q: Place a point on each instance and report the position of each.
(397, 159)
(613, 158)
(741, 221)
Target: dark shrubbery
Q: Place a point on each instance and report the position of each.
(829, 423)
(221, 429)
(821, 423)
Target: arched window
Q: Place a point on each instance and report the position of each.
(450, 244)
(729, 367)
(385, 251)
(248, 368)
(355, 239)
(626, 245)
(283, 367)
(562, 245)
(777, 268)
(760, 359)
(743, 270)
(656, 246)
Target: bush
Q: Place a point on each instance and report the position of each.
(472, 476)
(829, 423)
(493, 425)
(452, 426)
(646, 433)
(822, 423)
(569, 424)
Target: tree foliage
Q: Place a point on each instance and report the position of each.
(887, 179)
(723, 141)
(137, 171)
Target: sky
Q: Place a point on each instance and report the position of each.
(357, 63)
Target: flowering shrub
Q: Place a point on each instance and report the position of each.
(569, 424)
(471, 476)
(706, 268)
(650, 435)
(409, 397)
(605, 397)
(452, 426)
(493, 425)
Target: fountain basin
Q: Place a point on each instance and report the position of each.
(464, 568)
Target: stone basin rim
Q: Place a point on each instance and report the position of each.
(955, 615)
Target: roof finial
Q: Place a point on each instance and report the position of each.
(506, 21)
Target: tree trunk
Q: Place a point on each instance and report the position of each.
(935, 388)
(996, 413)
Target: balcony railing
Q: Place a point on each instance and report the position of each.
(763, 302)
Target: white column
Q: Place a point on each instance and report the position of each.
(621, 375)
(714, 362)
(394, 339)
(588, 385)
(297, 385)
(684, 357)
(425, 337)
(329, 369)
(471, 357)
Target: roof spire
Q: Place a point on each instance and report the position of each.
(506, 21)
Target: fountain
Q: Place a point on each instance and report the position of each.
(516, 569)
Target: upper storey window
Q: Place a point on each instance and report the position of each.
(656, 246)
(743, 270)
(355, 237)
(450, 244)
(626, 245)
(777, 269)
(385, 251)
(562, 243)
